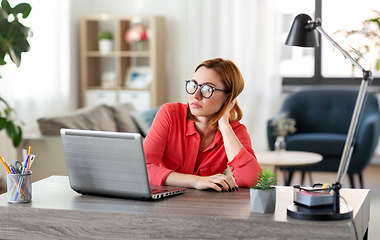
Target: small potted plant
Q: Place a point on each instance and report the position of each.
(263, 194)
(105, 41)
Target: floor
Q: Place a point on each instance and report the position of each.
(371, 180)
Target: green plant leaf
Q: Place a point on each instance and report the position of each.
(5, 5)
(11, 130)
(2, 56)
(15, 56)
(23, 8)
(21, 44)
(266, 180)
(3, 14)
(3, 123)
(17, 139)
(4, 29)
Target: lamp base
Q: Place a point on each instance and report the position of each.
(321, 213)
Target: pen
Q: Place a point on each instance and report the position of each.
(28, 163)
(14, 186)
(31, 160)
(13, 170)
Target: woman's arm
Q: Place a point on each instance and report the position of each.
(241, 157)
(232, 144)
(155, 144)
(219, 182)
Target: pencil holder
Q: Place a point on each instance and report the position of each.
(19, 187)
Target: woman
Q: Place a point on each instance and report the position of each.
(190, 145)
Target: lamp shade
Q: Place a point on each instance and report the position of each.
(301, 36)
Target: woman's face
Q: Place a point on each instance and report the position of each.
(207, 107)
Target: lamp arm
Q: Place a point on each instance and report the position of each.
(349, 144)
(345, 53)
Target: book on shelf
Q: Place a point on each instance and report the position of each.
(314, 198)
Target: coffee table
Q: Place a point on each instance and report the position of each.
(288, 159)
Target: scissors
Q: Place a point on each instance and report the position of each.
(18, 166)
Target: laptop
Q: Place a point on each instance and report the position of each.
(109, 164)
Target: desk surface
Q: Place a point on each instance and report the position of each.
(58, 212)
(288, 158)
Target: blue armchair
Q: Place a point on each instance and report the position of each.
(322, 121)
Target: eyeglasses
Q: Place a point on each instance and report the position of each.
(206, 90)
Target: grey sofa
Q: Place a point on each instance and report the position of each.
(47, 145)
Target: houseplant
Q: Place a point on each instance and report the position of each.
(263, 194)
(371, 38)
(13, 41)
(282, 125)
(105, 41)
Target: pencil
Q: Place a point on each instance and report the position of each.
(5, 165)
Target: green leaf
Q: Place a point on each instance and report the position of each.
(266, 180)
(3, 14)
(17, 139)
(15, 56)
(11, 130)
(5, 5)
(2, 56)
(19, 30)
(3, 123)
(4, 29)
(21, 44)
(23, 8)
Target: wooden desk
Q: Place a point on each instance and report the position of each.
(57, 212)
(288, 159)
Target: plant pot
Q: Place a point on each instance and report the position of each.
(105, 46)
(263, 201)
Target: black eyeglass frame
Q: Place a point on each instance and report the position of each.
(200, 85)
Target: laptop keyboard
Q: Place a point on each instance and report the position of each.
(157, 191)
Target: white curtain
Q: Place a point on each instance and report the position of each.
(40, 86)
(246, 32)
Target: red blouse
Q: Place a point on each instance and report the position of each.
(172, 144)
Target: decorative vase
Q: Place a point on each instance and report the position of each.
(140, 45)
(105, 46)
(263, 201)
(280, 144)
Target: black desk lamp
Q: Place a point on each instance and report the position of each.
(303, 34)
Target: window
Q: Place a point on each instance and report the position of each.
(326, 65)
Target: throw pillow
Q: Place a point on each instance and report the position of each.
(123, 120)
(96, 118)
(145, 119)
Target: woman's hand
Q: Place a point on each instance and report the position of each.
(226, 115)
(219, 182)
